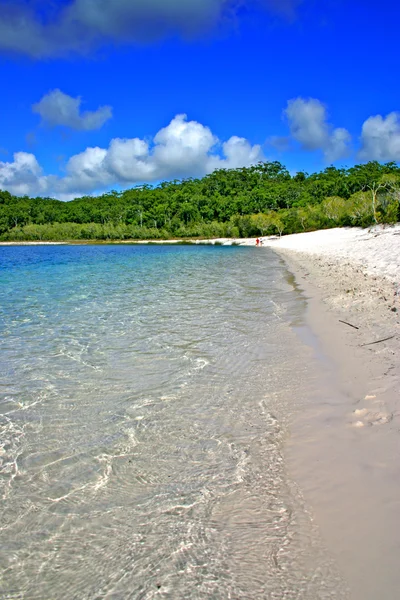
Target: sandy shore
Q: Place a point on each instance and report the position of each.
(355, 275)
(345, 448)
(376, 250)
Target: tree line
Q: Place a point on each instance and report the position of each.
(263, 199)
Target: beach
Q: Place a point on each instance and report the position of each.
(345, 448)
(352, 280)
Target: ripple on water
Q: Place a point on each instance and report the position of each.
(143, 414)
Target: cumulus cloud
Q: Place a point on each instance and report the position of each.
(22, 175)
(43, 28)
(183, 145)
(183, 148)
(57, 108)
(309, 126)
(380, 138)
(237, 152)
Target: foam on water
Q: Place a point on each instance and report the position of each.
(145, 398)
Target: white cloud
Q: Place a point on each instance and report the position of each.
(237, 152)
(309, 126)
(57, 108)
(183, 148)
(23, 175)
(128, 160)
(380, 138)
(307, 122)
(59, 28)
(338, 145)
(85, 170)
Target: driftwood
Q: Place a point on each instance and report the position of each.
(349, 324)
(378, 341)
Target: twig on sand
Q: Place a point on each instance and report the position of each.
(350, 325)
(378, 341)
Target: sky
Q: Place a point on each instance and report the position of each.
(99, 94)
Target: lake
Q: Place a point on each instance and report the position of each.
(145, 401)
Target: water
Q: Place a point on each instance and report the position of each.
(144, 405)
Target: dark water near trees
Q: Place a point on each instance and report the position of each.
(144, 404)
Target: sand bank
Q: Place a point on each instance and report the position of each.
(345, 447)
(355, 275)
(376, 250)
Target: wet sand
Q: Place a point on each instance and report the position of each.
(345, 446)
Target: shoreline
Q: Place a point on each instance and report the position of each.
(188, 241)
(344, 447)
(344, 243)
(194, 241)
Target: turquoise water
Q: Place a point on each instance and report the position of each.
(144, 403)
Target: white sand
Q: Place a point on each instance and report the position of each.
(346, 450)
(355, 273)
(377, 250)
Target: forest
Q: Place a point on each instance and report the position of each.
(263, 199)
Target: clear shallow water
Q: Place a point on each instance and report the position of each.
(145, 394)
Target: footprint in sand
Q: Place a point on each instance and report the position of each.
(379, 418)
(370, 418)
(365, 416)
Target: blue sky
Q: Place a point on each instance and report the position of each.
(95, 92)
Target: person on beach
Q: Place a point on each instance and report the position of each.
(257, 242)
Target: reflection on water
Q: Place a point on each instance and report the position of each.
(144, 403)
